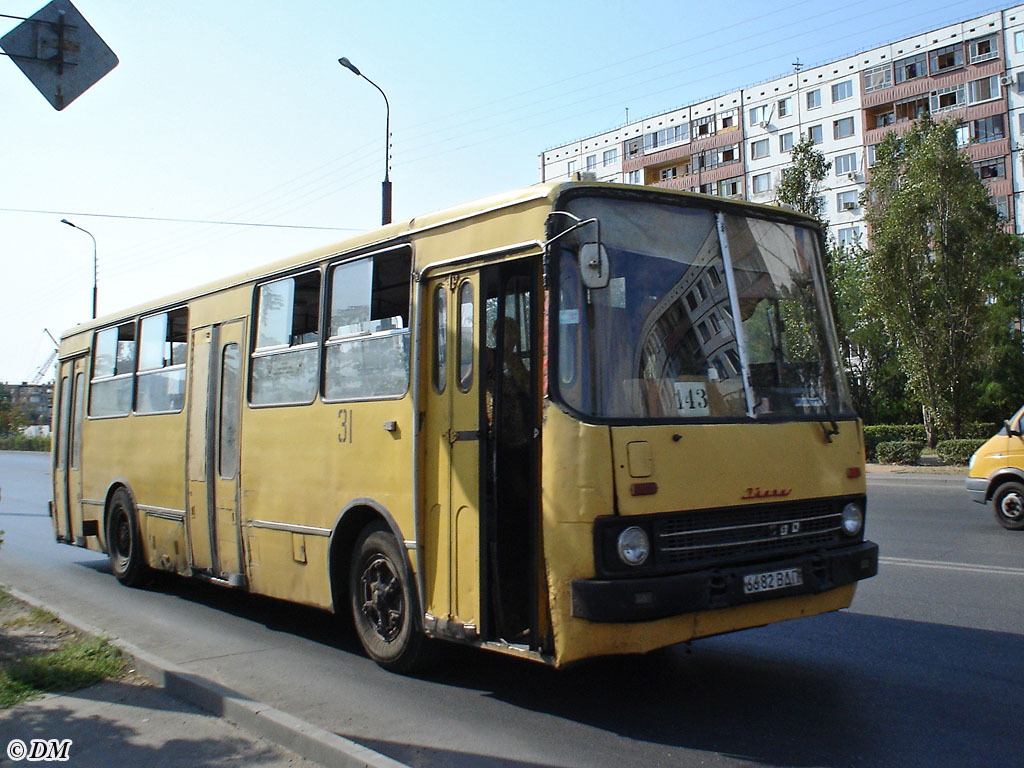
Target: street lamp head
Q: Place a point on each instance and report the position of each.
(349, 66)
(65, 221)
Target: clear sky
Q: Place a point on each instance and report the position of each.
(225, 110)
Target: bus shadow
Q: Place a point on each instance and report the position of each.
(838, 690)
(843, 690)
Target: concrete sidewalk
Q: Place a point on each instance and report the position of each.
(171, 718)
(135, 723)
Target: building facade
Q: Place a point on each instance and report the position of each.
(737, 144)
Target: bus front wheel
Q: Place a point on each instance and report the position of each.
(385, 607)
(124, 545)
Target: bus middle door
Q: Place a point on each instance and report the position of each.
(215, 393)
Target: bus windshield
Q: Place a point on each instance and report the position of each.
(707, 315)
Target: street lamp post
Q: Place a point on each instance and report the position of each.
(385, 186)
(65, 221)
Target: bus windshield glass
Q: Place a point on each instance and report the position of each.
(706, 315)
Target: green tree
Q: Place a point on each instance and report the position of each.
(800, 184)
(941, 272)
(11, 417)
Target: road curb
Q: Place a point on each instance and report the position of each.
(304, 739)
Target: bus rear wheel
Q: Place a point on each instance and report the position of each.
(124, 544)
(385, 607)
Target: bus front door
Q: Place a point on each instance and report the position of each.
(215, 392)
(67, 485)
(452, 406)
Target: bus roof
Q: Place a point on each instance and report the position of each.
(397, 230)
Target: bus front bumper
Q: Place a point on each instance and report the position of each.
(648, 599)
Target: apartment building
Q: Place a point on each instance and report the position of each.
(737, 144)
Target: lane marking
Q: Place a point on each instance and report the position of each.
(942, 566)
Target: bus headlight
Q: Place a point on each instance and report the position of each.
(633, 545)
(852, 519)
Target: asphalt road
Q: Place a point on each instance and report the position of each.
(926, 669)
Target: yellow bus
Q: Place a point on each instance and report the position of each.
(572, 420)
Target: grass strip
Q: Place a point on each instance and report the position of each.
(78, 665)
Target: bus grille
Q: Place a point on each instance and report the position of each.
(691, 539)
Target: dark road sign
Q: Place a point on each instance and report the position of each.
(59, 52)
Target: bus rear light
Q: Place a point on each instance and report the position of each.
(853, 472)
(643, 489)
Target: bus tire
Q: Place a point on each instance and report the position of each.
(1008, 505)
(385, 607)
(124, 544)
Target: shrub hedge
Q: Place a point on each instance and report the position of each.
(885, 433)
(957, 451)
(899, 452)
(22, 443)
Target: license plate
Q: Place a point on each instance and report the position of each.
(769, 580)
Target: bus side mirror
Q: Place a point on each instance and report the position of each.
(594, 266)
(1010, 430)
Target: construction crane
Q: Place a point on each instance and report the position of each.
(43, 369)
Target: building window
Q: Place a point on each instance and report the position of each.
(1018, 42)
(949, 98)
(729, 119)
(635, 177)
(785, 107)
(994, 168)
(633, 148)
(871, 154)
(1020, 122)
(876, 78)
(944, 59)
(666, 137)
(984, 89)
(814, 99)
(982, 49)
(846, 164)
(667, 173)
(759, 149)
(758, 115)
(786, 142)
(729, 154)
(883, 119)
(762, 182)
(610, 157)
(816, 134)
(842, 128)
(848, 237)
(591, 162)
(911, 68)
(574, 166)
(847, 201)
(704, 126)
(1002, 205)
(987, 129)
(731, 187)
(911, 109)
(842, 91)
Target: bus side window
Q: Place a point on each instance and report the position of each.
(163, 347)
(113, 368)
(286, 357)
(368, 347)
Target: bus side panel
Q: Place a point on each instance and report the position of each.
(146, 454)
(302, 465)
